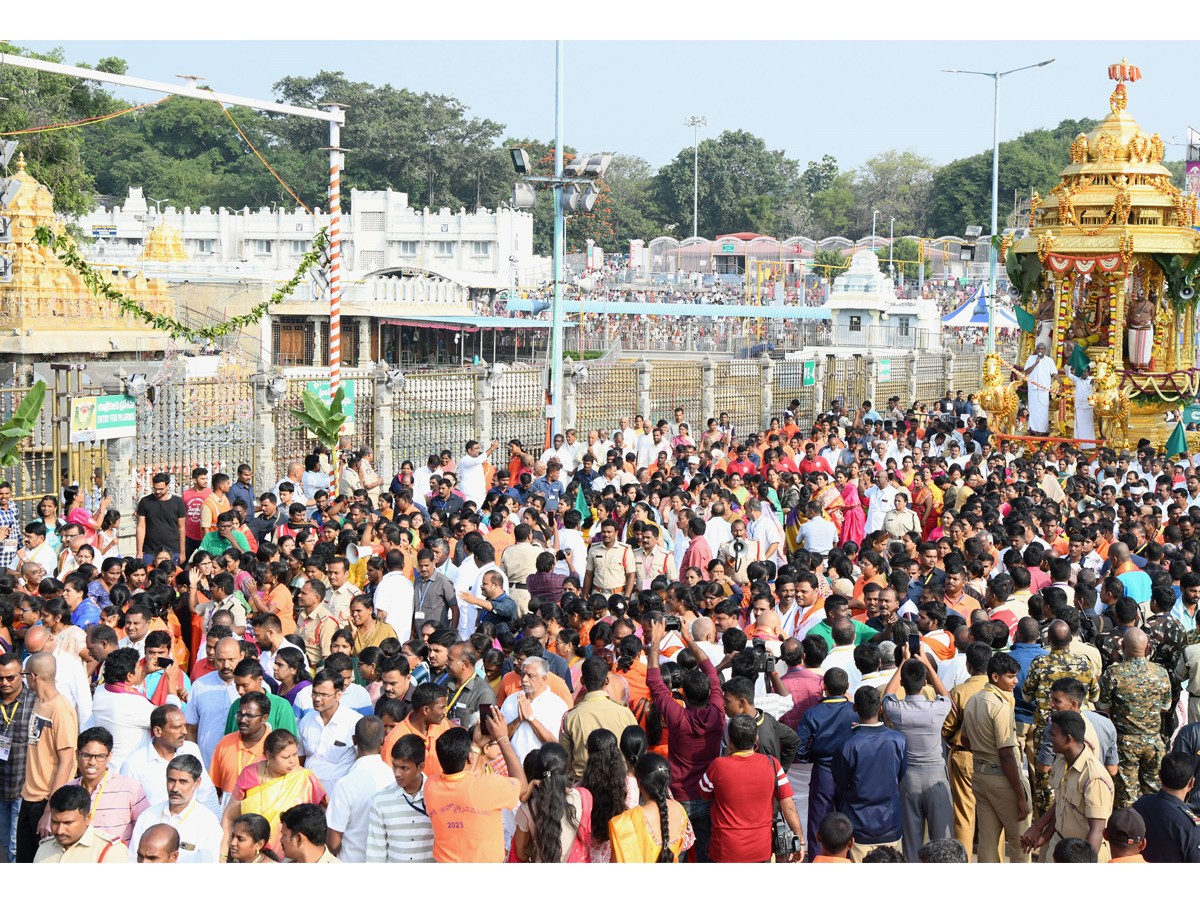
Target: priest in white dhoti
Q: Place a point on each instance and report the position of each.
(1085, 419)
(1039, 372)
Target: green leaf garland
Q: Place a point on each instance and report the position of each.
(65, 250)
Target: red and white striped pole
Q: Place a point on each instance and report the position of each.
(335, 277)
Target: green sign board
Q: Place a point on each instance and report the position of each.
(727, 248)
(808, 373)
(1191, 414)
(321, 389)
(885, 370)
(102, 418)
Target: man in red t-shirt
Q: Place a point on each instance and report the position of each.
(193, 499)
(743, 788)
(813, 463)
(741, 465)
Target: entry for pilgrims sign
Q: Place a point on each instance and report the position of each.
(321, 389)
(102, 418)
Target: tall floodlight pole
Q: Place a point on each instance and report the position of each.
(556, 311)
(995, 76)
(695, 123)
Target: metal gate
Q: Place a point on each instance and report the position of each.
(845, 379)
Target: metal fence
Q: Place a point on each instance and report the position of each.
(518, 409)
(931, 382)
(789, 385)
(675, 384)
(431, 413)
(608, 393)
(292, 442)
(739, 393)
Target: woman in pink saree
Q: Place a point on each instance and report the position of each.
(854, 520)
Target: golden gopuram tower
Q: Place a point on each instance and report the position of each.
(1110, 264)
(47, 311)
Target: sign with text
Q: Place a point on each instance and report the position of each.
(321, 389)
(102, 418)
(808, 373)
(885, 370)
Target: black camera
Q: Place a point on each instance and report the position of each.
(763, 661)
(672, 623)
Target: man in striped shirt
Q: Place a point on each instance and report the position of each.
(400, 828)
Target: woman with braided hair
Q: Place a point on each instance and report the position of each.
(658, 829)
(555, 823)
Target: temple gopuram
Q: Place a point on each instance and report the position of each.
(1109, 264)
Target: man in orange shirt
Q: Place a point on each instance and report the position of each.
(955, 596)
(499, 533)
(465, 807)
(837, 837)
(215, 503)
(243, 747)
(427, 721)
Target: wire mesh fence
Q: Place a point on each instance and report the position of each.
(518, 410)
(292, 441)
(674, 384)
(738, 391)
(433, 412)
(607, 394)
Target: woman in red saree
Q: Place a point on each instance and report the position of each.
(925, 503)
(270, 786)
(854, 520)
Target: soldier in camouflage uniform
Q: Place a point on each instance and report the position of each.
(1043, 672)
(1109, 642)
(1167, 643)
(1134, 693)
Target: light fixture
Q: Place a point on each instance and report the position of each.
(277, 388)
(394, 379)
(597, 164)
(9, 188)
(523, 196)
(590, 196)
(7, 149)
(520, 161)
(575, 168)
(135, 385)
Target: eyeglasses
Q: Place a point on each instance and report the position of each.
(248, 715)
(94, 756)
(317, 696)
(10, 677)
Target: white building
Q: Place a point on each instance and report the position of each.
(865, 311)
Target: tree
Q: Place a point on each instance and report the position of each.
(40, 98)
(962, 189)
(819, 175)
(743, 186)
(834, 207)
(635, 214)
(829, 264)
(898, 184)
(904, 255)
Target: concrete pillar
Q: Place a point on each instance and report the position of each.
(948, 373)
(818, 386)
(571, 379)
(708, 394)
(365, 324)
(912, 377)
(872, 378)
(121, 453)
(767, 383)
(320, 347)
(385, 397)
(264, 428)
(644, 368)
(485, 378)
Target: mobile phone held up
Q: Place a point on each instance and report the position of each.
(914, 645)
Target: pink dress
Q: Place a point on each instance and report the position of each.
(854, 525)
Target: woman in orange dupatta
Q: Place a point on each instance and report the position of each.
(656, 830)
(833, 507)
(926, 502)
(270, 786)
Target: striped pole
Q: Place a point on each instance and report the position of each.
(335, 259)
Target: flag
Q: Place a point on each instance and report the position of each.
(581, 503)
(1177, 442)
(1025, 319)
(1079, 361)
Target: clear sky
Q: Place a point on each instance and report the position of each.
(851, 99)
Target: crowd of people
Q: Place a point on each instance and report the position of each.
(882, 636)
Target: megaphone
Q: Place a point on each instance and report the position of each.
(355, 552)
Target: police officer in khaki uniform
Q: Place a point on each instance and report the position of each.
(610, 567)
(989, 731)
(1083, 791)
(72, 838)
(518, 562)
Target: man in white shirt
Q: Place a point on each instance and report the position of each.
(717, 530)
(349, 814)
(400, 829)
(571, 538)
(394, 596)
(470, 471)
(628, 436)
(818, 534)
(327, 732)
(198, 827)
(119, 707)
(764, 528)
(470, 581)
(842, 654)
(212, 695)
(881, 498)
(168, 739)
(535, 713)
(70, 677)
(704, 633)
(422, 476)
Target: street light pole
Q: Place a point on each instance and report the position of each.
(695, 123)
(556, 311)
(995, 76)
(891, 253)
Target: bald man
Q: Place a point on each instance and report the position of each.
(1137, 583)
(50, 762)
(212, 695)
(159, 844)
(1134, 693)
(70, 675)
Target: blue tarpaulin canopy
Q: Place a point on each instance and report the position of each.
(974, 313)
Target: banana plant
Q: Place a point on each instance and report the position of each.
(1024, 270)
(325, 422)
(21, 425)
(1181, 276)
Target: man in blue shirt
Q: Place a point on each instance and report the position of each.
(243, 488)
(824, 729)
(866, 771)
(1025, 650)
(549, 486)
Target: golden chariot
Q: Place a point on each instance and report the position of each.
(1110, 263)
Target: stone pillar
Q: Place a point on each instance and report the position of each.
(365, 324)
(948, 373)
(872, 377)
(320, 347)
(484, 379)
(708, 394)
(385, 423)
(767, 383)
(818, 385)
(264, 429)
(571, 379)
(120, 485)
(644, 368)
(912, 376)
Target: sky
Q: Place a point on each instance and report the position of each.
(849, 99)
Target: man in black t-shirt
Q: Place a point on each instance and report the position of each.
(263, 525)
(160, 522)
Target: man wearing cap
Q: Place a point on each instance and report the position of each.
(1126, 836)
